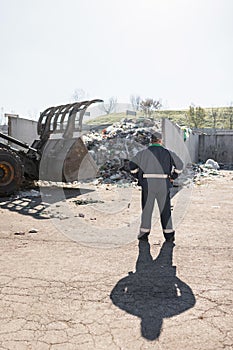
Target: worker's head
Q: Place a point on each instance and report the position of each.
(156, 137)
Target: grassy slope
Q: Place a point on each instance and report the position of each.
(179, 116)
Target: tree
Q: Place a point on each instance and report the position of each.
(135, 102)
(110, 106)
(229, 116)
(197, 116)
(79, 95)
(214, 115)
(149, 106)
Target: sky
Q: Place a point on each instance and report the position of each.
(177, 51)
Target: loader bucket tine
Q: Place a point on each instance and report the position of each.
(63, 115)
(42, 117)
(53, 120)
(57, 114)
(47, 131)
(70, 108)
(60, 112)
(74, 109)
(68, 133)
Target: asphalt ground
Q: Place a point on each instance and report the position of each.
(59, 293)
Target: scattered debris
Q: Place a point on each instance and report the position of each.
(27, 194)
(63, 217)
(226, 166)
(33, 230)
(86, 201)
(206, 170)
(81, 215)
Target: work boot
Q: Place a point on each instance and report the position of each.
(169, 237)
(143, 236)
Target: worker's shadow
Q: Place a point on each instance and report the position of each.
(153, 292)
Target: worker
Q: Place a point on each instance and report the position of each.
(156, 168)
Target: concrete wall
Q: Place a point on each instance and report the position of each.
(173, 138)
(218, 147)
(24, 130)
(212, 131)
(4, 130)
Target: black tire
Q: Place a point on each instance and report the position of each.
(11, 172)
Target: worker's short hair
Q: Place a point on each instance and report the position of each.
(156, 136)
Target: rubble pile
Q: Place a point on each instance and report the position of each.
(198, 173)
(115, 145)
(207, 170)
(226, 166)
(112, 147)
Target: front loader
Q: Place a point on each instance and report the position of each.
(58, 155)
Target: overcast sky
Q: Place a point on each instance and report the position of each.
(179, 51)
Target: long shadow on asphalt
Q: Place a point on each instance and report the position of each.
(153, 292)
(35, 204)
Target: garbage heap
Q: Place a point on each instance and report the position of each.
(207, 171)
(114, 146)
(198, 173)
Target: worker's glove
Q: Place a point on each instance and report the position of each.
(173, 176)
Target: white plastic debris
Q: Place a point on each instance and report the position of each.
(212, 164)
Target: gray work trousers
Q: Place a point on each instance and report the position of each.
(159, 190)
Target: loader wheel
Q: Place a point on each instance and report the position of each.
(11, 172)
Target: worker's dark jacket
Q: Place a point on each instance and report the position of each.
(155, 160)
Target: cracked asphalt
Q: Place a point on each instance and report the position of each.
(58, 294)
